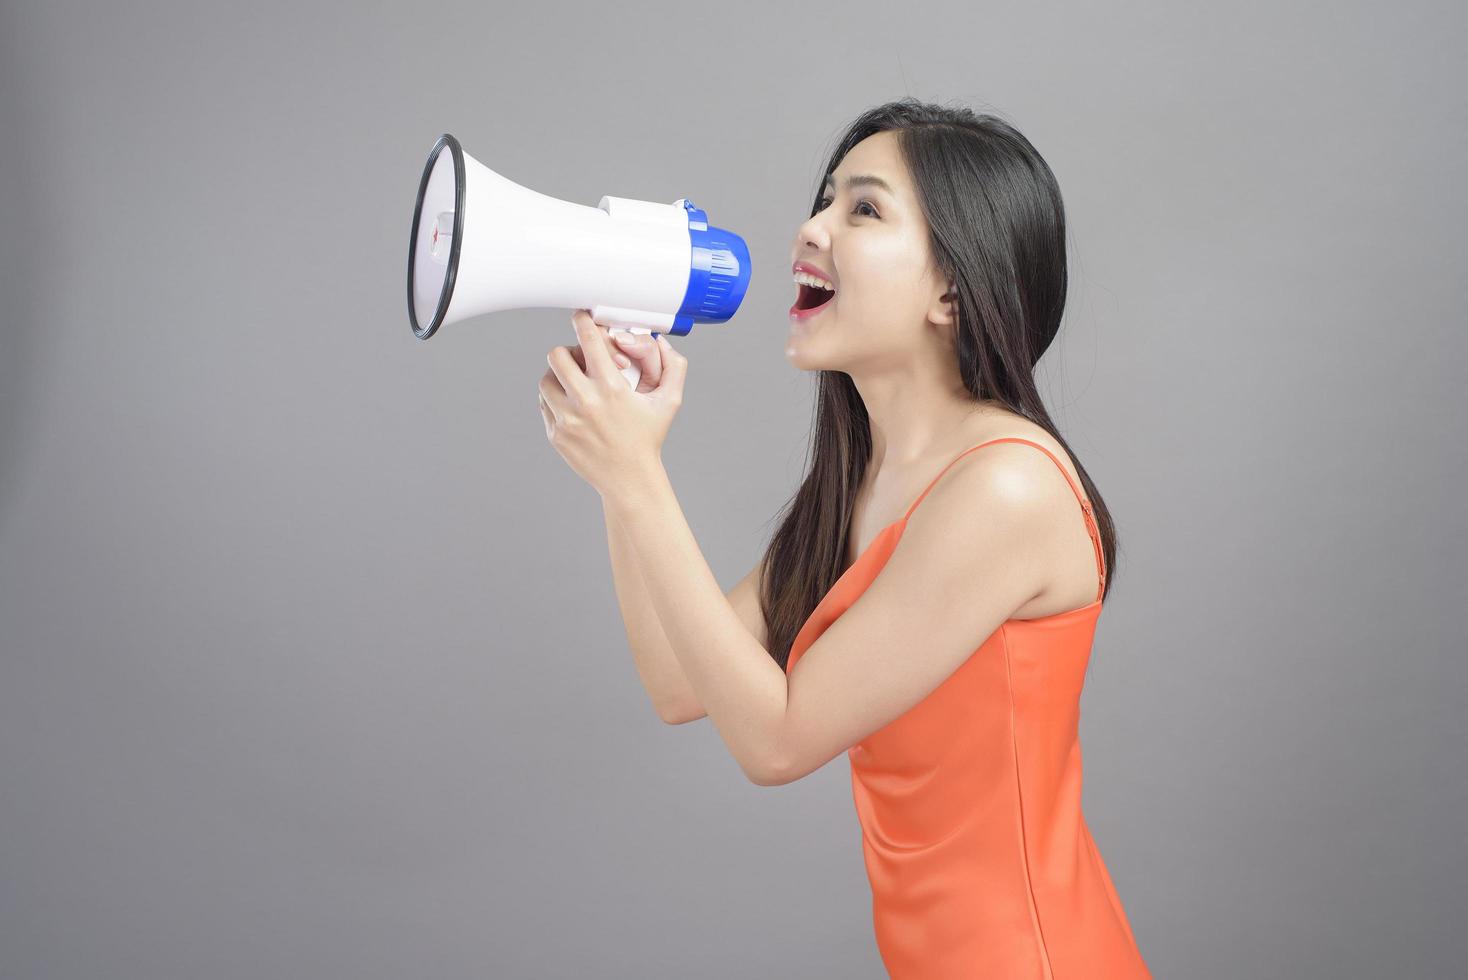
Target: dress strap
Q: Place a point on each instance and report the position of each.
(1090, 518)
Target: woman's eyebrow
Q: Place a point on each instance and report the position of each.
(860, 179)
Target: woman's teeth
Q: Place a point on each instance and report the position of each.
(806, 279)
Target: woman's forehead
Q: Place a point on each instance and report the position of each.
(874, 161)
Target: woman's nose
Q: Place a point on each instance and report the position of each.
(812, 236)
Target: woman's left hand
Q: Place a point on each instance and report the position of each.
(608, 433)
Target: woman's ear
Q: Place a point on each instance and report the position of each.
(945, 310)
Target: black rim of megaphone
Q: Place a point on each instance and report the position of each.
(446, 294)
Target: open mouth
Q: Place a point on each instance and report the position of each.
(811, 298)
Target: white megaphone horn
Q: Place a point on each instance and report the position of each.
(482, 243)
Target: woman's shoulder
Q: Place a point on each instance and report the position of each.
(1003, 424)
(1032, 477)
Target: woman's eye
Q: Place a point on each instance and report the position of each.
(826, 202)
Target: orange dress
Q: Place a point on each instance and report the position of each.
(979, 858)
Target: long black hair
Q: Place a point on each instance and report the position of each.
(997, 231)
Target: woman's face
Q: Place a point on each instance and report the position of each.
(871, 242)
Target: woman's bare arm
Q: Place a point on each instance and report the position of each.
(657, 666)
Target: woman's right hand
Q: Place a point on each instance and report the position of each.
(643, 350)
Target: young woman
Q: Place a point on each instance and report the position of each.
(928, 603)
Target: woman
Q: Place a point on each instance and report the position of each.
(929, 601)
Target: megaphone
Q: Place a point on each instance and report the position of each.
(482, 243)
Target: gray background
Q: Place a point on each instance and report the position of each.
(312, 665)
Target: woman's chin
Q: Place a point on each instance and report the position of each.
(802, 331)
(802, 351)
(797, 340)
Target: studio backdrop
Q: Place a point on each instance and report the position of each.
(311, 663)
